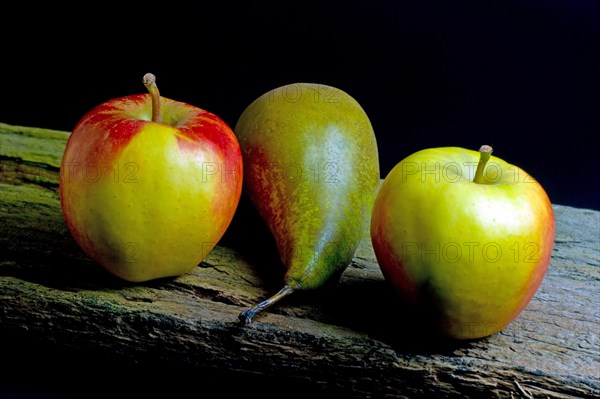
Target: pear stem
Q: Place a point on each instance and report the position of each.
(246, 316)
(484, 155)
(150, 83)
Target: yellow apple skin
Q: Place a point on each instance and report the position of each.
(148, 200)
(470, 255)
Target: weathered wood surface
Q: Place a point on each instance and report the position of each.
(55, 304)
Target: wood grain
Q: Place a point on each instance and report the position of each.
(350, 338)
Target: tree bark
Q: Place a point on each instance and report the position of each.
(350, 338)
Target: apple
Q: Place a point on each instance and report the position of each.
(148, 185)
(463, 237)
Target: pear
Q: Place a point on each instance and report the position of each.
(311, 169)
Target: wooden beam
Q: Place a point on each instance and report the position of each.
(350, 338)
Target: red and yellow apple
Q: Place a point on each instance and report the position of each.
(463, 236)
(148, 185)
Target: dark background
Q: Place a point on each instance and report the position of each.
(520, 75)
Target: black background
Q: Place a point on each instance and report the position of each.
(520, 75)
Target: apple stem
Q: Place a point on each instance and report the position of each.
(150, 83)
(246, 316)
(484, 155)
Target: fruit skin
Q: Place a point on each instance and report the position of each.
(311, 169)
(145, 199)
(470, 255)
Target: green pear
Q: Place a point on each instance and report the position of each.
(311, 169)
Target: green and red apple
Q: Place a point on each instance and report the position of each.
(149, 185)
(464, 237)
